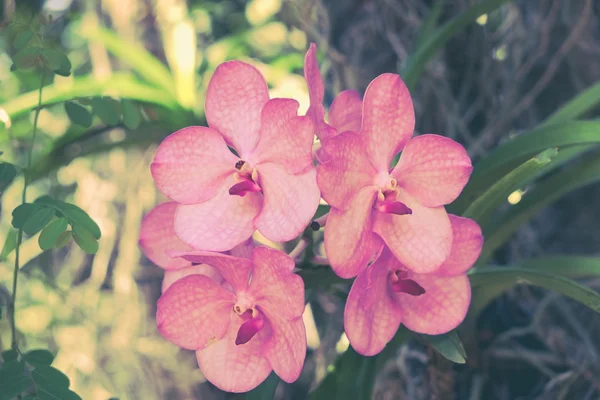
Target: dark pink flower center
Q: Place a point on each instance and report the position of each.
(401, 284)
(253, 325)
(247, 177)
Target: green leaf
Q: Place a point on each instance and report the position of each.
(85, 240)
(483, 207)
(38, 220)
(47, 376)
(63, 239)
(13, 379)
(132, 117)
(535, 199)
(416, 62)
(427, 29)
(39, 357)
(22, 39)
(56, 393)
(78, 114)
(10, 243)
(51, 233)
(22, 213)
(266, 390)
(9, 355)
(506, 277)
(448, 345)
(107, 109)
(26, 58)
(65, 67)
(516, 151)
(8, 172)
(577, 106)
(54, 58)
(74, 214)
(567, 266)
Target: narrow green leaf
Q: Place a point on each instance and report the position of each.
(22, 39)
(567, 266)
(22, 213)
(132, 117)
(78, 114)
(483, 207)
(10, 243)
(266, 390)
(416, 62)
(107, 109)
(85, 240)
(9, 355)
(535, 199)
(577, 106)
(516, 151)
(448, 345)
(507, 277)
(63, 239)
(39, 357)
(38, 220)
(427, 29)
(47, 376)
(8, 172)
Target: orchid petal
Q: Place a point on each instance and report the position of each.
(440, 309)
(236, 95)
(190, 165)
(235, 368)
(173, 276)
(345, 113)
(286, 349)
(316, 92)
(388, 119)
(371, 318)
(285, 138)
(434, 169)
(290, 202)
(421, 240)
(349, 241)
(273, 284)
(193, 311)
(220, 223)
(157, 235)
(467, 242)
(345, 171)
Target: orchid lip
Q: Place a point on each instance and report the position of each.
(244, 187)
(399, 283)
(251, 327)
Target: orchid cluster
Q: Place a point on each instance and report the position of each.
(253, 169)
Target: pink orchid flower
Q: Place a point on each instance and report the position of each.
(157, 238)
(224, 198)
(387, 294)
(245, 325)
(345, 111)
(403, 207)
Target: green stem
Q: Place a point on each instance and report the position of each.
(20, 235)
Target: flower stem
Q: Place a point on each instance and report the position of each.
(20, 234)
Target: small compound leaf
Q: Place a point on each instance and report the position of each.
(54, 58)
(74, 214)
(132, 117)
(9, 355)
(107, 109)
(56, 393)
(39, 357)
(63, 239)
(78, 114)
(49, 236)
(22, 213)
(85, 240)
(26, 58)
(448, 345)
(47, 376)
(13, 380)
(22, 39)
(65, 67)
(38, 220)
(8, 172)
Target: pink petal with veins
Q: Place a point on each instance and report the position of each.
(276, 288)
(190, 165)
(388, 119)
(316, 91)
(349, 241)
(434, 169)
(285, 138)
(236, 95)
(220, 223)
(235, 368)
(467, 242)
(441, 308)
(157, 235)
(346, 170)
(371, 318)
(173, 276)
(290, 202)
(421, 240)
(193, 311)
(345, 113)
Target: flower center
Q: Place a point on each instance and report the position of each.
(247, 180)
(253, 323)
(400, 283)
(386, 199)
